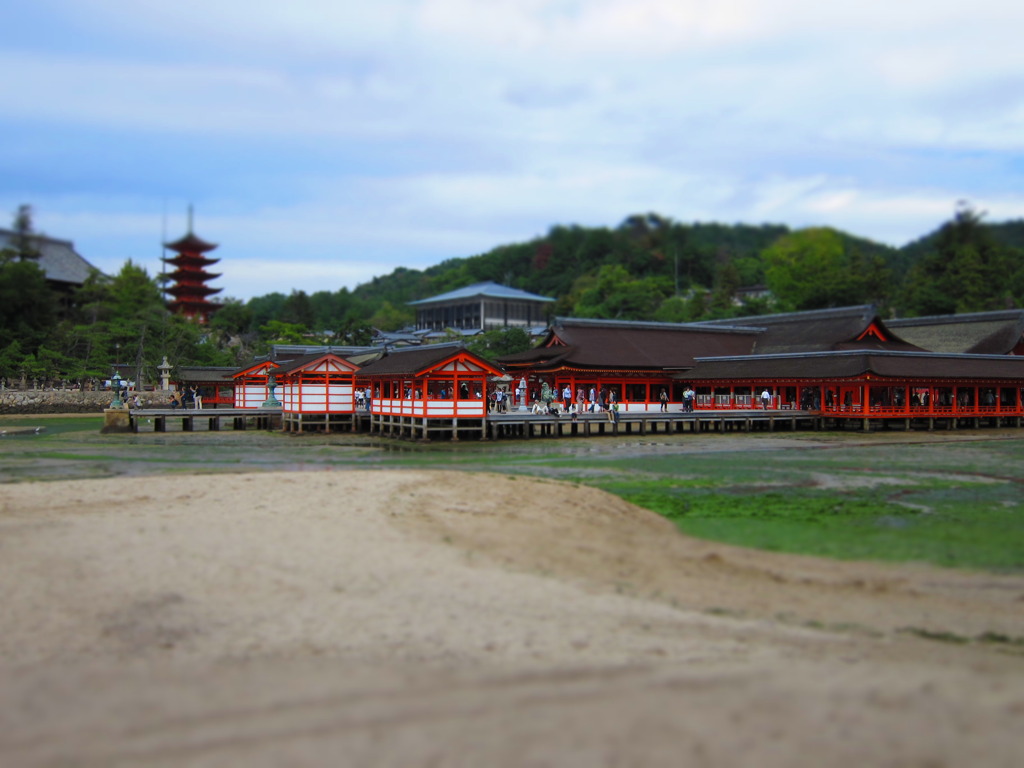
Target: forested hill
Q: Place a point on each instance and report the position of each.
(646, 268)
(652, 268)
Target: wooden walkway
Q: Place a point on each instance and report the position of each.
(525, 424)
(520, 425)
(207, 419)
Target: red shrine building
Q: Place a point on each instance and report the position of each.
(189, 289)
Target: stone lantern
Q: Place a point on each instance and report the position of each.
(165, 374)
(116, 384)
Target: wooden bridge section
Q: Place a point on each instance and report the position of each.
(203, 419)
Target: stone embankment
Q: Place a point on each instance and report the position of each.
(32, 401)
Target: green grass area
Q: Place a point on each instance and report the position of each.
(956, 504)
(857, 525)
(952, 500)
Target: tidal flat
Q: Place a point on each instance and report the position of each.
(946, 498)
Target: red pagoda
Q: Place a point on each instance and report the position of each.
(190, 289)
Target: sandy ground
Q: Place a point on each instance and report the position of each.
(391, 618)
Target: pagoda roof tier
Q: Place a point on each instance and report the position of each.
(192, 290)
(193, 274)
(198, 305)
(190, 243)
(189, 258)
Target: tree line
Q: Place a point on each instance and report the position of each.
(652, 268)
(647, 268)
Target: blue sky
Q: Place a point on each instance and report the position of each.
(323, 143)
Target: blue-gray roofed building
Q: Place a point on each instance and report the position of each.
(482, 307)
(64, 267)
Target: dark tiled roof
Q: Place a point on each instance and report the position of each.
(298, 363)
(190, 244)
(285, 353)
(823, 365)
(57, 258)
(985, 333)
(410, 361)
(818, 331)
(488, 289)
(258, 364)
(618, 344)
(205, 373)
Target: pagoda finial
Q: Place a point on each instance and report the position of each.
(190, 218)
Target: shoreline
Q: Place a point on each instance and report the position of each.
(417, 617)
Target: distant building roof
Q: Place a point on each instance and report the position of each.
(286, 353)
(618, 344)
(851, 363)
(398, 338)
(305, 360)
(191, 243)
(57, 258)
(464, 332)
(820, 330)
(486, 289)
(985, 333)
(204, 373)
(414, 361)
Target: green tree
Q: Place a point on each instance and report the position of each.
(278, 332)
(266, 308)
(388, 317)
(24, 243)
(356, 333)
(233, 318)
(298, 310)
(616, 295)
(964, 270)
(674, 309)
(28, 306)
(813, 269)
(123, 320)
(11, 360)
(727, 282)
(499, 341)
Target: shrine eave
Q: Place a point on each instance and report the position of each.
(183, 259)
(179, 291)
(197, 275)
(190, 243)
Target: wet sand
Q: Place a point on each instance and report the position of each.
(443, 618)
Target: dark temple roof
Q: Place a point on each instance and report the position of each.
(984, 333)
(297, 363)
(819, 330)
(853, 363)
(410, 361)
(487, 289)
(623, 344)
(57, 258)
(190, 243)
(204, 373)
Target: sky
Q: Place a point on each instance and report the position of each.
(322, 143)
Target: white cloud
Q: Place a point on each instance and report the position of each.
(375, 135)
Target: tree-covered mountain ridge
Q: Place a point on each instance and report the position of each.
(646, 268)
(652, 268)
